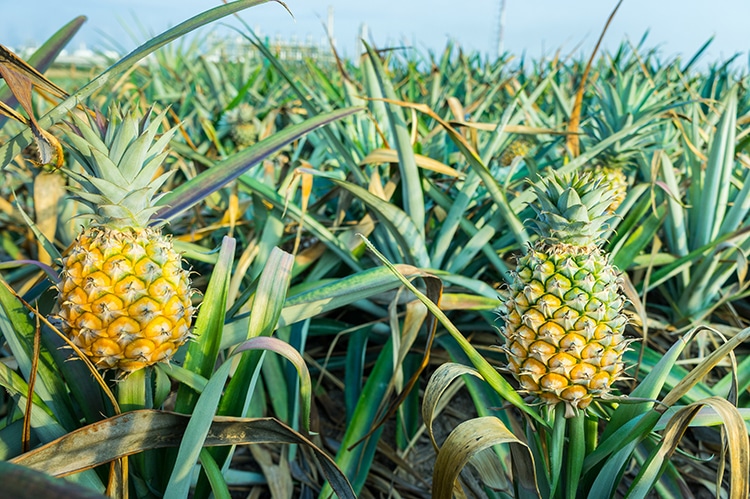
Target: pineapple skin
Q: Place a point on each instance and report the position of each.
(242, 124)
(244, 134)
(616, 180)
(519, 147)
(564, 324)
(124, 297)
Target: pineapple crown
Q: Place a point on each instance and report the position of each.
(241, 114)
(618, 105)
(571, 210)
(120, 157)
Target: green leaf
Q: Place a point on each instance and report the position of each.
(489, 373)
(215, 477)
(17, 328)
(266, 310)
(641, 236)
(198, 188)
(335, 293)
(411, 186)
(310, 223)
(342, 150)
(355, 456)
(197, 429)
(714, 191)
(400, 225)
(204, 350)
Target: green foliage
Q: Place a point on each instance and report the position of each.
(309, 334)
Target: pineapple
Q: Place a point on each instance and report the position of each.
(242, 124)
(519, 147)
(613, 176)
(124, 298)
(563, 310)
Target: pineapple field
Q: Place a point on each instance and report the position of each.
(406, 274)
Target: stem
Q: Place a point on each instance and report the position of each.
(536, 438)
(591, 429)
(133, 393)
(577, 433)
(557, 446)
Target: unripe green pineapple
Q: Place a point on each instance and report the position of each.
(563, 311)
(242, 125)
(124, 297)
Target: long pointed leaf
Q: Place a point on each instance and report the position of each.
(146, 429)
(411, 185)
(401, 226)
(203, 352)
(196, 189)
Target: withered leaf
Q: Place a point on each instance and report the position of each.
(21, 78)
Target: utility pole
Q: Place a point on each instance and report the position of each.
(329, 26)
(364, 35)
(501, 29)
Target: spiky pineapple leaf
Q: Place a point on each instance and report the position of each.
(489, 373)
(234, 397)
(202, 353)
(324, 296)
(716, 182)
(197, 189)
(18, 328)
(355, 456)
(338, 144)
(479, 238)
(411, 186)
(199, 425)
(400, 224)
(496, 191)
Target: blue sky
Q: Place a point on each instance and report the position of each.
(534, 26)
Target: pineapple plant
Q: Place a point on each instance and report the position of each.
(124, 297)
(563, 309)
(618, 105)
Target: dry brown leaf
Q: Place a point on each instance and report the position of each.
(49, 188)
(21, 78)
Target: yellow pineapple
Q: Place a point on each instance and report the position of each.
(518, 147)
(563, 310)
(124, 297)
(614, 178)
